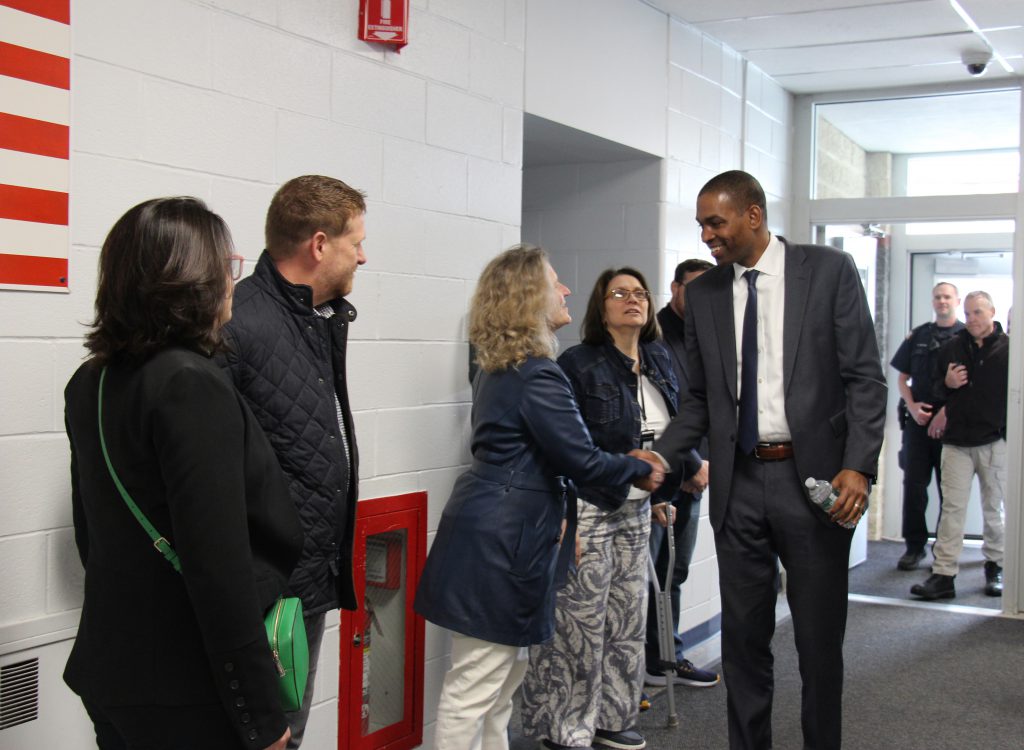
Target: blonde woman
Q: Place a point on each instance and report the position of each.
(490, 576)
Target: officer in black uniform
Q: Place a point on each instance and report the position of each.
(920, 454)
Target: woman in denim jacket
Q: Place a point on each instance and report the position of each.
(583, 687)
(494, 564)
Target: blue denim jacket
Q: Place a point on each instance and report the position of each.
(605, 387)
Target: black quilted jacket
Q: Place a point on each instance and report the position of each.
(283, 359)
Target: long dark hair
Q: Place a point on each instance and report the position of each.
(163, 281)
(593, 328)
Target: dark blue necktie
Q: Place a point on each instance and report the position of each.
(748, 370)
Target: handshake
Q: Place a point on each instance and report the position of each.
(653, 480)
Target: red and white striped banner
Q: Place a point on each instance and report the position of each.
(35, 111)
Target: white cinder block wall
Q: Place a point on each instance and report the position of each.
(225, 100)
(590, 217)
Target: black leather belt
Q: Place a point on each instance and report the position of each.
(773, 451)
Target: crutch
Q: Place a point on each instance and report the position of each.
(666, 630)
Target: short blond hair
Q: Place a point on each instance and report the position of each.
(509, 318)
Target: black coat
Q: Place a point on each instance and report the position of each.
(975, 412)
(289, 364)
(191, 455)
(490, 573)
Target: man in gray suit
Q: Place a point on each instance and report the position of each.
(786, 380)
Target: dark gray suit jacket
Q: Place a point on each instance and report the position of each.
(833, 383)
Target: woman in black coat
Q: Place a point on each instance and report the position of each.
(165, 659)
(490, 576)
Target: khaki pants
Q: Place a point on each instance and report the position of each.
(959, 465)
(476, 698)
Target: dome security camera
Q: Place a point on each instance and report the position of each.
(976, 62)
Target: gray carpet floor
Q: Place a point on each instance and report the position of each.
(878, 576)
(917, 678)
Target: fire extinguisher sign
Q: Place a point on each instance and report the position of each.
(384, 22)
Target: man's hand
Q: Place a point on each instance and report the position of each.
(660, 511)
(853, 496)
(920, 412)
(698, 482)
(282, 741)
(653, 480)
(937, 427)
(956, 375)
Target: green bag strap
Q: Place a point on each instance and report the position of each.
(161, 544)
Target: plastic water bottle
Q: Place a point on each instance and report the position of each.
(824, 495)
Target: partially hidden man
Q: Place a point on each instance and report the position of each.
(286, 353)
(786, 381)
(921, 453)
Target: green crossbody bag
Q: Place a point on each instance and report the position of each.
(286, 630)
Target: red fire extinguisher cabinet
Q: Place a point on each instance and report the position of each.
(380, 693)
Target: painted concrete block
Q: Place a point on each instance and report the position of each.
(266, 65)
(551, 186)
(441, 51)
(26, 387)
(260, 10)
(495, 190)
(710, 147)
(485, 17)
(496, 71)
(23, 561)
(512, 137)
(104, 189)
(590, 227)
(684, 138)
(243, 205)
(424, 177)
(133, 46)
(414, 311)
(377, 97)
(711, 59)
(388, 374)
(463, 122)
(310, 145)
(328, 22)
(207, 132)
(35, 483)
(420, 242)
(423, 438)
(106, 109)
(685, 46)
(621, 182)
(515, 23)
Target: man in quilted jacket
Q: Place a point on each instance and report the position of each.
(286, 346)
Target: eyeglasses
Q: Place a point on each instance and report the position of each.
(640, 295)
(236, 263)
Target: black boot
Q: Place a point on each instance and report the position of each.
(910, 560)
(936, 587)
(993, 579)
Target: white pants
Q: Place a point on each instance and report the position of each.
(476, 698)
(959, 465)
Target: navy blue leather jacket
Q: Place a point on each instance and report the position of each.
(491, 571)
(604, 384)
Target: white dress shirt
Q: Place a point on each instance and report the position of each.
(772, 426)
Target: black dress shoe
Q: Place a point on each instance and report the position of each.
(910, 560)
(993, 579)
(935, 587)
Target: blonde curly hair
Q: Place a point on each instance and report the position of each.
(509, 317)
